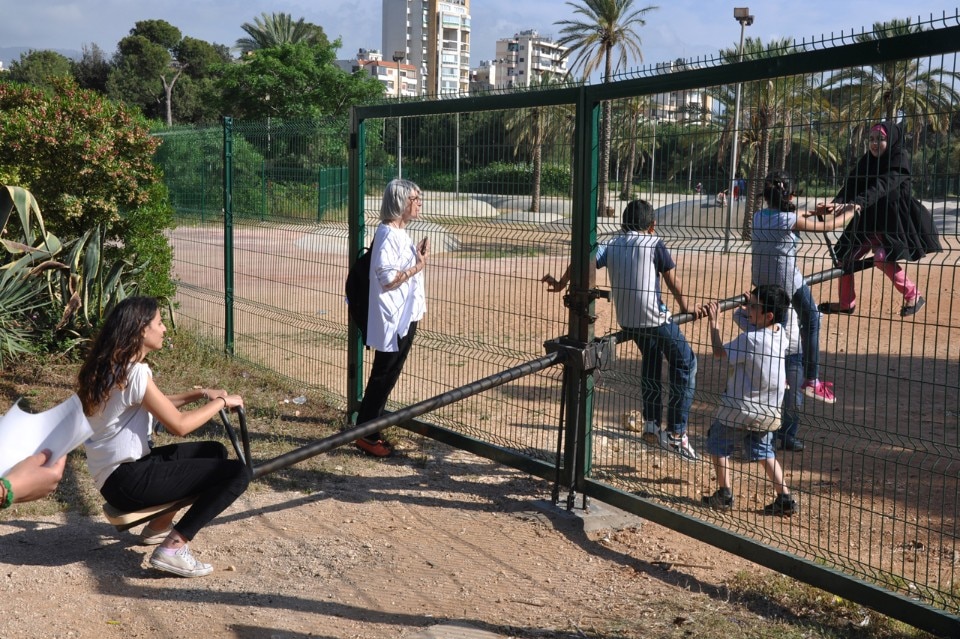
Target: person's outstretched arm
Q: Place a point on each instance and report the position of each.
(672, 280)
(826, 217)
(713, 313)
(183, 423)
(555, 285)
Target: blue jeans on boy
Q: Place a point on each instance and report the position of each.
(792, 398)
(655, 344)
(809, 317)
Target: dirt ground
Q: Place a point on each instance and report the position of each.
(410, 547)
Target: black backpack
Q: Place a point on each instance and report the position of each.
(357, 289)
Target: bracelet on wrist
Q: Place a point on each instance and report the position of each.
(7, 493)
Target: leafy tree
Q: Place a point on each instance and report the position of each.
(608, 29)
(92, 69)
(155, 59)
(293, 81)
(275, 29)
(196, 99)
(144, 71)
(40, 68)
(91, 162)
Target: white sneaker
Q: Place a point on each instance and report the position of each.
(651, 434)
(180, 563)
(678, 445)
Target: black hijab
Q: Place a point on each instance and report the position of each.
(882, 187)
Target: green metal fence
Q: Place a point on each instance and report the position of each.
(877, 483)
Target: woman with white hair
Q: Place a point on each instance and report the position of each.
(397, 302)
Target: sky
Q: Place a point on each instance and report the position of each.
(677, 29)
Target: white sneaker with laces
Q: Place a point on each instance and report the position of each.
(180, 563)
(678, 445)
(651, 433)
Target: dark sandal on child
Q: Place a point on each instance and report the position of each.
(832, 308)
(914, 308)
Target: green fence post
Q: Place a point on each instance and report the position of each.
(583, 275)
(203, 190)
(355, 242)
(228, 235)
(321, 194)
(263, 190)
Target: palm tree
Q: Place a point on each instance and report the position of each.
(630, 113)
(607, 29)
(891, 90)
(777, 113)
(532, 128)
(271, 30)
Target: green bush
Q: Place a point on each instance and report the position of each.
(90, 161)
(515, 179)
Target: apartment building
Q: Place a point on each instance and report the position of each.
(433, 36)
(399, 79)
(525, 58)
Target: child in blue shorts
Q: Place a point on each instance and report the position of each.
(750, 405)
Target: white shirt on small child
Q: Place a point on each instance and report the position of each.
(756, 380)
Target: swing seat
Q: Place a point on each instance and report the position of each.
(125, 520)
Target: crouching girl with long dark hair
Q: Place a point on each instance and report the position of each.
(122, 403)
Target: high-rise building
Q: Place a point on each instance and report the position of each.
(434, 37)
(527, 58)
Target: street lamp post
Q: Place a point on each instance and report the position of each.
(398, 57)
(741, 15)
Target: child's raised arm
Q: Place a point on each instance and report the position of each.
(841, 214)
(713, 313)
(555, 285)
(672, 280)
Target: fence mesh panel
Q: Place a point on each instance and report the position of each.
(877, 482)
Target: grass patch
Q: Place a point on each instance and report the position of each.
(806, 611)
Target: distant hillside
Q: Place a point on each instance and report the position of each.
(9, 54)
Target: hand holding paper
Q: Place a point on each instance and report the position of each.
(35, 477)
(59, 430)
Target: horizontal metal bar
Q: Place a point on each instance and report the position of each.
(406, 414)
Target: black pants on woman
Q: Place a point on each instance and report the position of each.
(176, 471)
(384, 374)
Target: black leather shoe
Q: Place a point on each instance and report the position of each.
(791, 443)
(832, 308)
(914, 308)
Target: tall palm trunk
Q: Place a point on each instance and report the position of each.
(627, 186)
(761, 165)
(537, 159)
(604, 169)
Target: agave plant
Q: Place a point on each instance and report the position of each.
(21, 295)
(74, 282)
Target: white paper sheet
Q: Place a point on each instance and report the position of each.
(60, 429)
